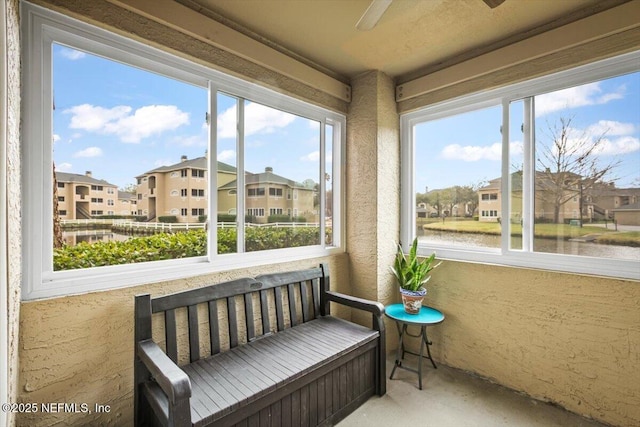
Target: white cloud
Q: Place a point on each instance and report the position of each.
(64, 167)
(311, 157)
(226, 156)
(89, 152)
(589, 94)
(474, 153)
(56, 138)
(611, 128)
(129, 127)
(72, 54)
(619, 146)
(259, 119)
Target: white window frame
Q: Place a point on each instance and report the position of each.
(595, 71)
(40, 28)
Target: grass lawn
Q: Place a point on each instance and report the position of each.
(628, 238)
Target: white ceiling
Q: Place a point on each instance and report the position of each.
(412, 38)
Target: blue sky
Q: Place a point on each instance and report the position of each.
(119, 122)
(466, 149)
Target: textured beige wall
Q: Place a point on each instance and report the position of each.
(373, 184)
(570, 339)
(13, 192)
(79, 349)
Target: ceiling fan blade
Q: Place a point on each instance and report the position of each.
(493, 3)
(372, 15)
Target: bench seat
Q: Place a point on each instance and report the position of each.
(228, 381)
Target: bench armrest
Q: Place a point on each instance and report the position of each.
(360, 303)
(173, 381)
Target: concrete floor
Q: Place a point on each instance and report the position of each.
(451, 397)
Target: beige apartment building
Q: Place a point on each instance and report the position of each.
(269, 194)
(180, 190)
(603, 201)
(84, 197)
(127, 204)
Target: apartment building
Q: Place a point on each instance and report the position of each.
(84, 197)
(267, 194)
(599, 201)
(127, 203)
(178, 190)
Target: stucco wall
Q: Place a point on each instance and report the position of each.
(13, 250)
(570, 339)
(79, 349)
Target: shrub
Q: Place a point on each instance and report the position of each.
(191, 243)
(226, 218)
(168, 219)
(202, 218)
(278, 218)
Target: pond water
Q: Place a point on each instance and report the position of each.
(556, 246)
(74, 237)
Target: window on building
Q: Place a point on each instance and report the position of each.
(62, 212)
(197, 192)
(561, 148)
(110, 190)
(60, 184)
(184, 212)
(90, 70)
(110, 202)
(275, 192)
(61, 198)
(275, 211)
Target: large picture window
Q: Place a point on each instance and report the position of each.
(541, 174)
(121, 121)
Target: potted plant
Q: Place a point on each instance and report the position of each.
(412, 275)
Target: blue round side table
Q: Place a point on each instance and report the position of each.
(427, 316)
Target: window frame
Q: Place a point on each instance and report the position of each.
(40, 27)
(595, 71)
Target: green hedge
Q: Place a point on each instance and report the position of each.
(191, 243)
(168, 219)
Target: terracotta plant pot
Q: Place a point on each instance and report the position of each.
(411, 300)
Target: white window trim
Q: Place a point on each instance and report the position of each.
(40, 28)
(600, 70)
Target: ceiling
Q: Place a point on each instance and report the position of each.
(412, 38)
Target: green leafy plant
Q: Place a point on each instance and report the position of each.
(411, 273)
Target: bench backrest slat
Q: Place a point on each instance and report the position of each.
(248, 310)
(232, 316)
(264, 312)
(283, 299)
(194, 334)
(171, 335)
(279, 308)
(214, 329)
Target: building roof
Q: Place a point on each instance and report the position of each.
(197, 163)
(266, 177)
(631, 207)
(126, 195)
(84, 179)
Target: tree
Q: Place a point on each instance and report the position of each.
(58, 241)
(569, 164)
(129, 188)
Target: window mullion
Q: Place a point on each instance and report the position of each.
(322, 183)
(212, 167)
(505, 182)
(240, 177)
(528, 175)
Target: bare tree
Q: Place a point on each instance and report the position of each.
(569, 164)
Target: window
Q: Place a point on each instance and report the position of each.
(110, 190)
(100, 67)
(528, 175)
(255, 212)
(174, 175)
(61, 198)
(184, 211)
(62, 212)
(110, 202)
(275, 211)
(255, 192)
(174, 193)
(60, 184)
(275, 192)
(197, 193)
(97, 200)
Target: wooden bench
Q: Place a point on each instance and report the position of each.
(255, 352)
